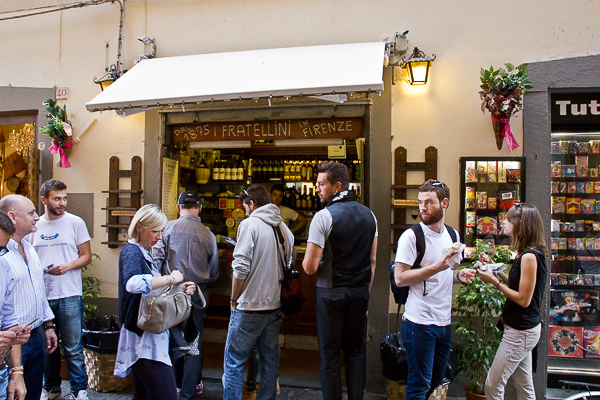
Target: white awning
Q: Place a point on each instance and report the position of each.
(294, 71)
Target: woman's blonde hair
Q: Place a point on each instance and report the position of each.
(528, 228)
(150, 217)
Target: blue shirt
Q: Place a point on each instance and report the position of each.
(30, 301)
(8, 317)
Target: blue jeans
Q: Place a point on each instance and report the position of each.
(192, 365)
(3, 383)
(246, 329)
(68, 318)
(33, 356)
(427, 349)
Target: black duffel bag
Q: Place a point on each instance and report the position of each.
(393, 356)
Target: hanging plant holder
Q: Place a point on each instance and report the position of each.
(59, 129)
(501, 94)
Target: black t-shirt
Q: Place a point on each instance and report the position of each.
(529, 317)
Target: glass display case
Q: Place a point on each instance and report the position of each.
(489, 187)
(573, 320)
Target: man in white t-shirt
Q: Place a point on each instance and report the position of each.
(287, 214)
(426, 319)
(62, 243)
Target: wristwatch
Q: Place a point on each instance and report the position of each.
(46, 327)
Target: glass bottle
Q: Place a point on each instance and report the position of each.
(303, 176)
(228, 170)
(222, 171)
(270, 170)
(215, 171)
(303, 200)
(286, 170)
(298, 201)
(309, 200)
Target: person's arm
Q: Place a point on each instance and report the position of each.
(373, 259)
(405, 276)
(85, 257)
(312, 257)
(213, 264)
(300, 223)
(16, 385)
(50, 336)
(236, 291)
(526, 283)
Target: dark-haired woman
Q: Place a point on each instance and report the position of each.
(523, 288)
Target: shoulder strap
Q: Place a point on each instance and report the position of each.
(420, 236)
(452, 233)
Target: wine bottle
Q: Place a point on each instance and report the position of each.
(215, 171)
(280, 169)
(303, 176)
(270, 170)
(222, 171)
(228, 170)
(309, 200)
(298, 202)
(286, 170)
(303, 201)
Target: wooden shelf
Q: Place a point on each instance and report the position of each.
(115, 226)
(114, 243)
(119, 209)
(406, 186)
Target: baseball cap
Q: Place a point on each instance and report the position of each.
(189, 197)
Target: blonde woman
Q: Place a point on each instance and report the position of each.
(144, 354)
(523, 288)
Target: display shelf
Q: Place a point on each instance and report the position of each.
(574, 324)
(490, 186)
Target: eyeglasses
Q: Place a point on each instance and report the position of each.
(438, 183)
(3, 251)
(248, 194)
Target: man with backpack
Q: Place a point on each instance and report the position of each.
(425, 262)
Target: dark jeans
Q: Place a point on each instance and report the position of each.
(153, 380)
(253, 367)
(188, 369)
(68, 318)
(341, 326)
(33, 356)
(427, 349)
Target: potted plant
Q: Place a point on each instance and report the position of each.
(90, 290)
(476, 307)
(59, 129)
(501, 94)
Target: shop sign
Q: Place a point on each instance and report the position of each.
(321, 128)
(575, 108)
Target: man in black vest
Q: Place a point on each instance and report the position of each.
(342, 244)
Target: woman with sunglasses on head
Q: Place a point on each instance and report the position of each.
(144, 354)
(523, 288)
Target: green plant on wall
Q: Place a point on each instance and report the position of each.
(476, 307)
(91, 290)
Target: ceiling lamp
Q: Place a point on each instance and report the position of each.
(417, 66)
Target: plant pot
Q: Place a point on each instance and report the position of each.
(498, 129)
(473, 396)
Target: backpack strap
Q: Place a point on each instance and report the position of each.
(420, 236)
(452, 233)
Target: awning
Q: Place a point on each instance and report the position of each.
(294, 71)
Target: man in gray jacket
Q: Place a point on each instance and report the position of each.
(190, 247)
(255, 295)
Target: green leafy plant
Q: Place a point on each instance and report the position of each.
(477, 306)
(58, 128)
(502, 89)
(91, 290)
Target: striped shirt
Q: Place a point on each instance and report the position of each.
(30, 292)
(7, 298)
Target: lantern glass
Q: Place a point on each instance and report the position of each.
(418, 72)
(105, 83)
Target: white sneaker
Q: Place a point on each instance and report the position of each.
(82, 395)
(54, 394)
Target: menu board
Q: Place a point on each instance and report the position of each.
(170, 172)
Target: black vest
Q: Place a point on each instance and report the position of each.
(350, 242)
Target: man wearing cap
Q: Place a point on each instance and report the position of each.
(190, 247)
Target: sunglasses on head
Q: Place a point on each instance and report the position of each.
(3, 251)
(248, 194)
(438, 183)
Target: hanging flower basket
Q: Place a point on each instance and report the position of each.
(59, 129)
(501, 94)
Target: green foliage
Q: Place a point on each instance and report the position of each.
(478, 305)
(57, 118)
(502, 89)
(91, 290)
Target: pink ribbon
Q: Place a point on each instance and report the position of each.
(510, 139)
(64, 161)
